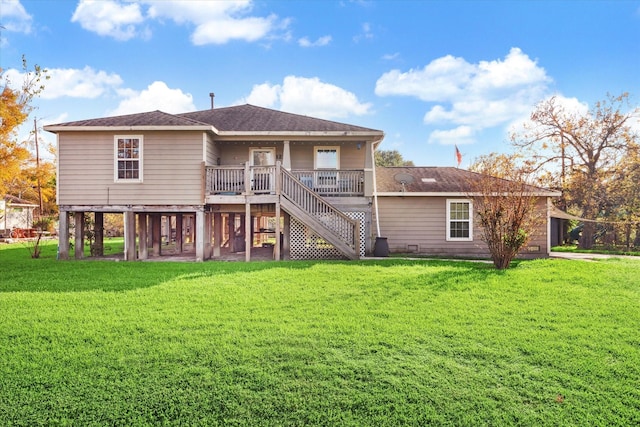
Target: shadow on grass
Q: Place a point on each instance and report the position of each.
(21, 273)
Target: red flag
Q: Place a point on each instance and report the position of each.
(458, 156)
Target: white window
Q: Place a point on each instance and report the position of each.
(459, 220)
(128, 158)
(327, 158)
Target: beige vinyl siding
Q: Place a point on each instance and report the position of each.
(302, 154)
(351, 157)
(171, 169)
(234, 154)
(418, 224)
(212, 151)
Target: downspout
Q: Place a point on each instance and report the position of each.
(375, 187)
(381, 247)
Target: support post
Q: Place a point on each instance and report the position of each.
(98, 242)
(156, 234)
(217, 233)
(286, 236)
(179, 233)
(78, 218)
(276, 249)
(208, 222)
(200, 233)
(143, 249)
(286, 156)
(63, 235)
(232, 232)
(248, 237)
(129, 236)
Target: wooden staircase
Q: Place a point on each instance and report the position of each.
(327, 221)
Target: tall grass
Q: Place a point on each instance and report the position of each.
(393, 342)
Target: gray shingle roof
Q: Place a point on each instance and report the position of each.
(241, 118)
(249, 118)
(152, 118)
(434, 179)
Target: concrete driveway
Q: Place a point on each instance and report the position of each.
(588, 257)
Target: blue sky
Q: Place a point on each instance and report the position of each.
(430, 74)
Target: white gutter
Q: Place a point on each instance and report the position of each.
(56, 128)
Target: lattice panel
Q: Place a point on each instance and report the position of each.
(305, 244)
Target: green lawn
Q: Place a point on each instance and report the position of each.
(393, 342)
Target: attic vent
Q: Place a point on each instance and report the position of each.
(428, 180)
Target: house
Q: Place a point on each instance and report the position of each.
(244, 179)
(429, 210)
(15, 214)
(219, 180)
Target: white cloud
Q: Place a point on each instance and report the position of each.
(71, 82)
(226, 29)
(109, 18)
(76, 83)
(366, 33)
(473, 96)
(213, 22)
(14, 17)
(157, 96)
(308, 96)
(460, 135)
(322, 41)
(391, 56)
(264, 95)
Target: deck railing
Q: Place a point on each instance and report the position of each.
(333, 182)
(231, 180)
(225, 180)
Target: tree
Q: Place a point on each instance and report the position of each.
(391, 158)
(591, 143)
(624, 195)
(505, 203)
(15, 107)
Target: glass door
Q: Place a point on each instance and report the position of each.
(262, 162)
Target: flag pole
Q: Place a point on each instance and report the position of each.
(458, 155)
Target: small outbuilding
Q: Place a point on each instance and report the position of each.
(15, 214)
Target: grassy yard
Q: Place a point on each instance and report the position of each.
(393, 342)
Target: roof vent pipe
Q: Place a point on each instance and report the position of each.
(212, 95)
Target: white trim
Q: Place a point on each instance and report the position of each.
(58, 168)
(470, 220)
(140, 138)
(55, 128)
(301, 133)
(456, 194)
(204, 148)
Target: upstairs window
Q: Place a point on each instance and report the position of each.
(327, 158)
(459, 220)
(128, 154)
